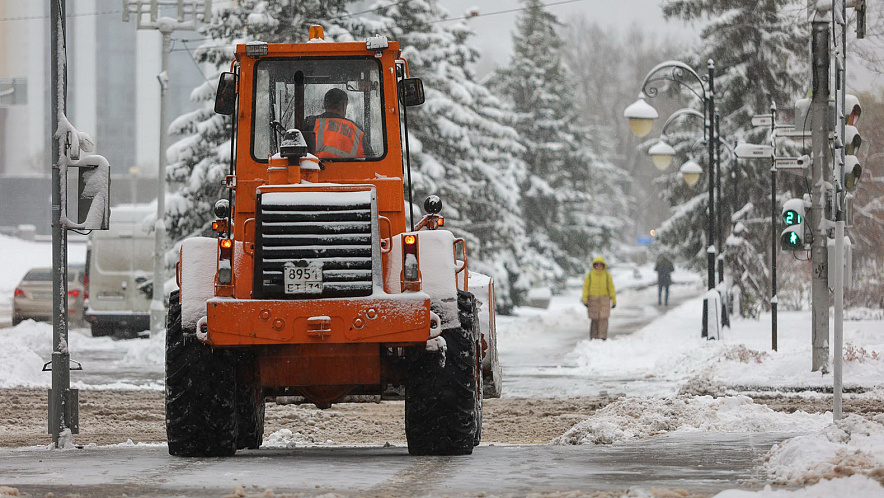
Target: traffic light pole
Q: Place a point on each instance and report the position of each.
(61, 407)
(773, 229)
(841, 80)
(821, 176)
(719, 260)
(839, 320)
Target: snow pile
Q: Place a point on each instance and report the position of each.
(8, 491)
(26, 347)
(560, 315)
(857, 486)
(20, 364)
(632, 418)
(748, 362)
(285, 438)
(143, 352)
(854, 445)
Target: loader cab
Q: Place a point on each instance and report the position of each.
(294, 93)
(273, 89)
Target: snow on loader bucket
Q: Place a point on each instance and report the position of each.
(313, 290)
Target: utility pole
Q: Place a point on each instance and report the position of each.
(147, 14)
(60, 402)
(821, 180)
(157, 306)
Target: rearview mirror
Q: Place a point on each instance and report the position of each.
(411, 91)
(225, 98)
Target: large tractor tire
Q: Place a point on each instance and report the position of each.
(443, 395)
(249, 404)
(200, 393)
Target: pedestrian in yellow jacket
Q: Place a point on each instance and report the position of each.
(599, 297)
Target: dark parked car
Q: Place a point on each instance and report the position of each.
(33, 296)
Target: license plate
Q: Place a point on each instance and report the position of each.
(302, 277)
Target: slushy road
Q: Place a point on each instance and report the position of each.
(701, 463)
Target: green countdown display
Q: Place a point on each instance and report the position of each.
(791, 217)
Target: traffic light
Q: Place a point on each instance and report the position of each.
(793, 237)
(852, 109)
(852, 173)
(852, 142)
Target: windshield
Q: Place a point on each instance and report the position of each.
(334, 102)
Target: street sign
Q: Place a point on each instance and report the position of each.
(754, 151)
(789, 163)
(762, 120)
(792, 132)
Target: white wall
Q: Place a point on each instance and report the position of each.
(82, 70)
(147, 111)
(23, 42)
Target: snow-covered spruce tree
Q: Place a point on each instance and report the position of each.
(760, 55)
(572, 199)
(460, 148)
(199, 160)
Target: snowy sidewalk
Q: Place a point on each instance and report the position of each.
(671, 348)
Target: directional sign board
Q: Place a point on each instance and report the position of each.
(789, 163)
(792, 132)
(794, 165)
(762, 120)
(753, 151)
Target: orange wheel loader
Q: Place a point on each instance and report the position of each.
(317, 287)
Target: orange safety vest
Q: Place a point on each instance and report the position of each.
(338, 138)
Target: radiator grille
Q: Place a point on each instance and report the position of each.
(334, 228)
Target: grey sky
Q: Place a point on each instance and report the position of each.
(493, 32)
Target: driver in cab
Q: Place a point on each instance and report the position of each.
(336, 136)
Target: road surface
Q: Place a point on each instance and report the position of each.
(699, 463)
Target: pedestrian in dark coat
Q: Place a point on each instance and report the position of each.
(664, 269)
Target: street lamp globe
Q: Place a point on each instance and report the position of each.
(661, 154)
(691, 172)
(641, 117)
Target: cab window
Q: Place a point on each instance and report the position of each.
(292, 93)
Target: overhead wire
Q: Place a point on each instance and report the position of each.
(366, 11)
(195, 62)
(84, 14)
(507, 11)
